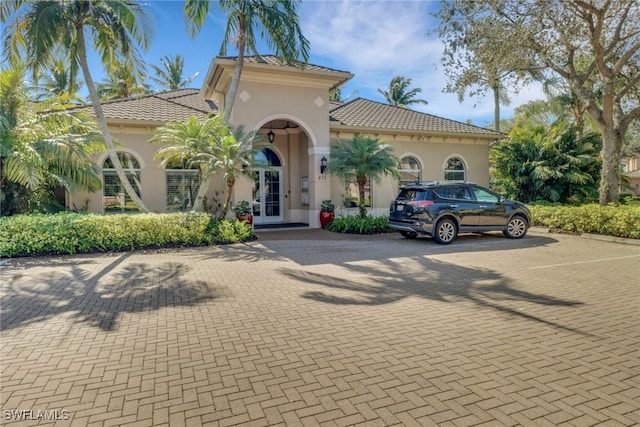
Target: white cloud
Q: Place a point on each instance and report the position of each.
(380, 39)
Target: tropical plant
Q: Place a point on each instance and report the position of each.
(363, 158)
(58, 80)
(41, 147)
(399, 93)
(116, 28)
(170, 75)
(536, 163)
(210, 145)
(327, 206)
(242, 208)
(124, 80)
(275, 20)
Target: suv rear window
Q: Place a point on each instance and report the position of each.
(411, 194)
(455, 192)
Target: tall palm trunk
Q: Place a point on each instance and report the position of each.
(97, 108)
(235, 81)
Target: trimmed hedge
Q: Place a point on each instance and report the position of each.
(357, 225)
(618, 221)
(70, 233)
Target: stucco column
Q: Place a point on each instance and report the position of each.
(319, 184)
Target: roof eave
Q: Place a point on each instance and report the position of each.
(361, 129)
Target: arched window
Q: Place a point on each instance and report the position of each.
(410, 170)
(182, 186)
(455, 170)
(267, 157)
(114, 196)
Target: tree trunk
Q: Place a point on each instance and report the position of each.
(610, 173)
(97, 108)
(198, 203)
(496, 108)
(237, 72)
(362, 181)
(227, 199)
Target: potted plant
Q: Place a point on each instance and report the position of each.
(243, 212)
(326, 212)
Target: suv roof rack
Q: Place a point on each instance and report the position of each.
(436, 183)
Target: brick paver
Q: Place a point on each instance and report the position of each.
(307, 328)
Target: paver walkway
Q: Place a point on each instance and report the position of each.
(308, 328)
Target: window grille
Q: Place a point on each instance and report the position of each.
(182, 188)
(455, 170)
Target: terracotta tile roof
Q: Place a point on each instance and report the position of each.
(274, 60)
(371, 114)
(359, 113)
(159, 107)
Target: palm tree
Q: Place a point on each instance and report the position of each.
(170, 76)
(116, 28)
(363, 158)
(399, 96)
(123, 81)
(41, 147)
(275, 20)
(212, 146)
(59, 80)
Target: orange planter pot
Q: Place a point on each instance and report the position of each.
(245, 218)
(325, 218)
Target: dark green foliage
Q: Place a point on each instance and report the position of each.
(69, 233)
(359, 225)
(618, 221)
(535, 163)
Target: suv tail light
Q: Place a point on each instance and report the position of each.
(420, 203)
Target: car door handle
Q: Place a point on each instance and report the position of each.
(482, 207)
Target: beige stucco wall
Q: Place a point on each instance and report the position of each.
(432, 153)
(152, 177)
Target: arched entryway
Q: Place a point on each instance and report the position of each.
(267, 192)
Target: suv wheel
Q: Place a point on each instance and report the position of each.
(445, 232)
(409, 234)
(516, 228)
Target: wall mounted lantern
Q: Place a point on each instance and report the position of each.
(271, 136)
(323, 164)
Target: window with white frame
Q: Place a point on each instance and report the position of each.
(410, 170)
(114, 196)
(455, 170)
(182, 186)
(351, 197)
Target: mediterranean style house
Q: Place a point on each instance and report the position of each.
(290, 107)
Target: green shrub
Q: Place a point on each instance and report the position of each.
(359, 225)
(69, 233)
(618, 221)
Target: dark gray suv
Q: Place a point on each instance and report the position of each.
(442, 209)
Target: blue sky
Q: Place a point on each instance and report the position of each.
(375, 40)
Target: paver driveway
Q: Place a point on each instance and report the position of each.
(308, 329)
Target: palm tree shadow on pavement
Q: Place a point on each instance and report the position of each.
(98, 299)
(389, 282)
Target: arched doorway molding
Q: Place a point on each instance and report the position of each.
(291, 118)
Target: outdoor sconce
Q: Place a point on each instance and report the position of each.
(271, 136)
(323, 164)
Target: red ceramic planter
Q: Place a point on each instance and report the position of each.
(325, 218)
